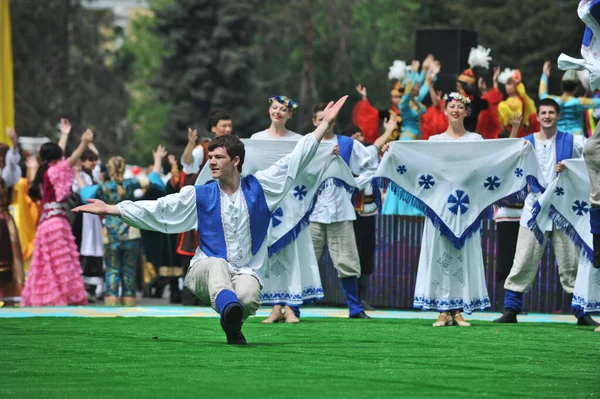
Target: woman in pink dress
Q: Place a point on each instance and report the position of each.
(55, 273)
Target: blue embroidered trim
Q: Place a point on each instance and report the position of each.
(293, 234)
(451, 304)
(519, 196)
(379, 183)
(588, 306)
(308, 295)
(562, 223)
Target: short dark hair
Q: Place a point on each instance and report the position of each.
(88, 155)
(232, 144)
(549, 103)
(350, 129)
(318, 108)
(215, 116)
(570, 85)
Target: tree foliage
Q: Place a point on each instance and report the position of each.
(64, 66)
(208, 65)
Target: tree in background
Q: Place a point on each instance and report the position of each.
(64, 65)
(141, 55)
(209, 64)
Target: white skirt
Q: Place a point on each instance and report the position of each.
(448, 278)
(587, 286)
(291, 276)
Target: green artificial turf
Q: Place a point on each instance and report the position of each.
(334, 358)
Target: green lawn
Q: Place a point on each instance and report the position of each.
(334, 358)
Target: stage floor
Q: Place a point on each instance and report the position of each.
(181, 311)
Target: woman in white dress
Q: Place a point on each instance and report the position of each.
(450, 280)
(293, 273)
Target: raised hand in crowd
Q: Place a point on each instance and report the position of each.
(389, 125)
(414, 66)
(547, 68)
(427, 62)
(187, 157)
(362, 90)
(32, 164)
(65, 129)
(12, 135)
(86, 138)
(515, 122)
(158, 156)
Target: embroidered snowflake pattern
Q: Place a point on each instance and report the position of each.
(580, 207)
(277, 213)
(277, 268)
(459, 258)
(401, 169)
(519, 172)
(559, 191)
(300, 192)
(435, 284)
(426, 181)
(444, 260)
(492, 183)
(458, 203)
(459, 276)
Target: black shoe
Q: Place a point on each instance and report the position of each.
(587, 320)
(231, 319)
(366, 305)
(236, 338)
(509, 316)
(360, 315)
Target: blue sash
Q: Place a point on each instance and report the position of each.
(564, 149)
(345, 144)
(210, 226)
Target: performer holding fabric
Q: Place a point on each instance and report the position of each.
(232, 217)
(591, 154)
(294, 271)
(454, 179)
(366, 210)
(565, 204)
(331, 221)
(551, 148)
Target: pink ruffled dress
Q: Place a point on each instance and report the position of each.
(55, 273)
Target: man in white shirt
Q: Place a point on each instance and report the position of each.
(551, 147)
(333, 216)
(193, 158)
(232, 216)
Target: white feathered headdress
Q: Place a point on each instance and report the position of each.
(505, 75)
(479, 57)
(397, 70)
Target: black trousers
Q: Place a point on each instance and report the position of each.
(508, 232)
(364, 230)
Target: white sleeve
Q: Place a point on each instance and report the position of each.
(278, 179)
(578, 144)
(363, 164)
(175, 213)
(97, 172)
(197, 158)
(11, 174)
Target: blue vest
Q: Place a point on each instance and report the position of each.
(345, 144)
(564, 148)
(211, 238)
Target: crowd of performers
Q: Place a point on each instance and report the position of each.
(248, 220)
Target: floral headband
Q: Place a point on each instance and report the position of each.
(458, 97)
(288, 102)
